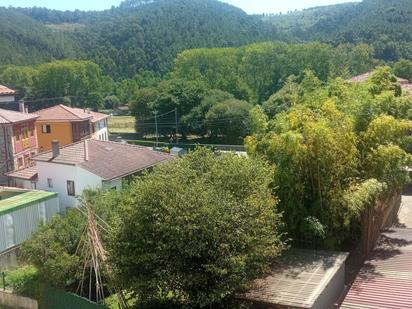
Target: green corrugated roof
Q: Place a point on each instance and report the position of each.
(24, 199)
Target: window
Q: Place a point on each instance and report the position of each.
(25, 133)
(50, 182)
(20, 162)
(46, 128)
(42, 212)
(9, 230)
(70, 188)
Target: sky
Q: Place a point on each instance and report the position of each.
(250, 6)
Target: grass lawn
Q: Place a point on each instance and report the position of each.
(122, 124)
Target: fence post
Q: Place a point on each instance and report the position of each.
(4, 280)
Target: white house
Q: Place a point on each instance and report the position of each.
(89, 164)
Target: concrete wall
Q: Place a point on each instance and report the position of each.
(330, 295)
(115, 184)
(7, 98)
(60, 174)
(13, 301)
(23, 184)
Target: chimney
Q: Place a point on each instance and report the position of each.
(55, 148)
(21, 107)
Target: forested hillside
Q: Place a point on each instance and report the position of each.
(24, 40)
(137, 35)
(385, 24)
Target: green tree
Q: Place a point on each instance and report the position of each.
(198, 229)
(55, 249)
(228, 119)
(403, 68)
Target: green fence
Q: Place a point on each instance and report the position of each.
(56, 299)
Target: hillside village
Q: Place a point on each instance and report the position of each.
(186, 154)
(52, 156)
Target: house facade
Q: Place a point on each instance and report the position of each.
(69, 125)
(90, 164)
(18, 142)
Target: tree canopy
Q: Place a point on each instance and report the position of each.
(329, 158)
(202, 227)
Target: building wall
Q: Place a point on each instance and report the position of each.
(59, 175)
(115, 184)
(61, 131)
(7, 98)
(23, 183)
(25, 144)
(6, 152)
(18, 226)
(100, 131)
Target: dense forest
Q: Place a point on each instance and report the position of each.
(208, 61)
(137, 35)
(384, 24)
(147, 35)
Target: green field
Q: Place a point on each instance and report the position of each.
(122, 124)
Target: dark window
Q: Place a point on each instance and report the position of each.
(70, 188)
(46, 128)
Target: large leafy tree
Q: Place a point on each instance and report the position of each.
(336, 149)
(197, 229)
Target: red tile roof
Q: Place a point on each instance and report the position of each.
(385, 281)
(6, 91)
(9, 117)
(65, 113)
(108, 160)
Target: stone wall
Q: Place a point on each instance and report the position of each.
(13, 301)
(377, 218)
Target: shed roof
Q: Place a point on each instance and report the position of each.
(9, 117)
(108, 160)
(29, 173)
(298, 278)
(385, 280)
(6, 91)
(23, 198)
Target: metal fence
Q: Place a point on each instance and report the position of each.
(56, 299)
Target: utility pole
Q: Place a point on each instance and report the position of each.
(157, 132)
(177, 137)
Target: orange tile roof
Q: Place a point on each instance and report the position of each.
(65, 113)
(9, 117)
(62, 113)
(6, 91)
